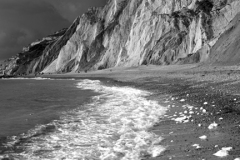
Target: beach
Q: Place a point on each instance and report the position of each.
(122, 80)
(202, 119)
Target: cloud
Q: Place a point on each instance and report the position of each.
(12, 41)
(24, 21)
(8, 38)
(70, 9)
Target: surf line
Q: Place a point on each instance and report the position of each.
(115, 125)
(128, 115)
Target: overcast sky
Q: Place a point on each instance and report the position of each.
(23, 21)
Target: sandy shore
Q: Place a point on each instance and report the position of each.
(204, 113)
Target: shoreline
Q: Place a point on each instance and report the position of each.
(211, 91)
(196, 97)
(136, 104)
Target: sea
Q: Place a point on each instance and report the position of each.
(77, 119)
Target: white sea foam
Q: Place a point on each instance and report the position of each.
(114, 126)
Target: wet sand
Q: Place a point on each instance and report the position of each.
(202, 101)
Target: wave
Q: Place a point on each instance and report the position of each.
(115, 125)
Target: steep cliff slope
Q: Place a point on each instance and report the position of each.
(140, 32)
(136, 32)
(226, 51)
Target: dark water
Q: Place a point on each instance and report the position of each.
(26, 103)
(84, 119)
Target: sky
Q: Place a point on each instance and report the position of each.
(24, 21)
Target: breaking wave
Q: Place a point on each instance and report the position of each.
(115, 125)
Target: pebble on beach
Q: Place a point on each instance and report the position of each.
(213, 126)
(204, 137)
(223, 152)
(204, 111)
(182, 100)
(197, 146)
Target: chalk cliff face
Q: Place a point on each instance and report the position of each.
(138, 32)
